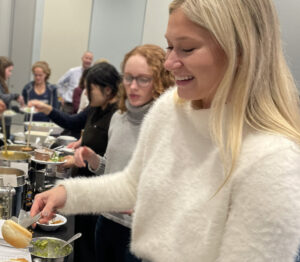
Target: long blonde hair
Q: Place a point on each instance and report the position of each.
(258, 87)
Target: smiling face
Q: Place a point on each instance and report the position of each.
(8, 72)
(87, 60)
(139, 92)
(39, 76)
(195, 58)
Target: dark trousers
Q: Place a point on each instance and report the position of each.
(112, 242)
(84, 246)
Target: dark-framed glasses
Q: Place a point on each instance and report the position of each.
(142, 81)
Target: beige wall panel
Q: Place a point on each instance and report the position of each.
(156, 20)
(66, 28)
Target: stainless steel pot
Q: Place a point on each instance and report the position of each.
(14, 159)
(18, 148)
(36, 258)
(12, 200)
(14, 156)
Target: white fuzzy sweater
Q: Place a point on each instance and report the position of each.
(171, 178)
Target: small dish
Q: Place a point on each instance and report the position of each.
(54, 223)
(43, 154)
(27, 110)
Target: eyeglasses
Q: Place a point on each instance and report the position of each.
(142, 81)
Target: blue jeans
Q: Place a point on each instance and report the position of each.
(112, 242)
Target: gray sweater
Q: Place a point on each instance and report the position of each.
(122, 138)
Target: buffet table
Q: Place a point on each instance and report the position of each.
(64, 232)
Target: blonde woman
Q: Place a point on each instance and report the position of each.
(40, 89)
(215, 174)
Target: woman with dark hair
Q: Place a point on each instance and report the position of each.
(102, 87)
(6, 67)
(40, 89)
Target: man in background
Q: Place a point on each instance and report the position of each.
(70, 80)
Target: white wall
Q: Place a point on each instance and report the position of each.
(116, 27)
(38, 30)
(156, 20)
(288, 11)
(21, 43)
(64, 29)
(65, 34)
(5, 26)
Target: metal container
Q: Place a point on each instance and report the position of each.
(13, 197)
(18, 148)
(14, 156)
(44, 127)
(15, 159)
(6, 200)
(36, 258)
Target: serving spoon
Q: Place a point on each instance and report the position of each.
(76, 236)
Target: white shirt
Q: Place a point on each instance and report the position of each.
(68, 82)
(84, 101)
(172, 178)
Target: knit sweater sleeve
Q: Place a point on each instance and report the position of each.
(263, 222)
(107, 193)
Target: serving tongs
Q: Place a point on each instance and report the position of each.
(25, 220)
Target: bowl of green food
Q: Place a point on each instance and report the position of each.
(48, 249)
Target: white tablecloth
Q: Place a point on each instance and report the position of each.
(8, 253)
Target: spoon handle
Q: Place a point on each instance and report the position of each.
(78, 235)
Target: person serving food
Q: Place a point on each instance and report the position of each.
(215, 172)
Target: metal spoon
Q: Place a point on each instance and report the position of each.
(76, 236)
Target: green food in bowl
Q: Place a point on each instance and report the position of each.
(50, 248)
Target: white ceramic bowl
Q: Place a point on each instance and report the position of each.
(51, 226)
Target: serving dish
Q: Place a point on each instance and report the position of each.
(47, 249)
(53, 224)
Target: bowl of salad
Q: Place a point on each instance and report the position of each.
(49, 249)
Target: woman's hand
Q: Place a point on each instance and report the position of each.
(84, 153)
(69, 162)
(20, 100)
(40, 106)
(48, 202)
(74, 145)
